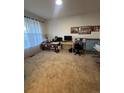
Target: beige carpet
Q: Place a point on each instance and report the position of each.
(50, 72)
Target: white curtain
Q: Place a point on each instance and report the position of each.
(32, 33)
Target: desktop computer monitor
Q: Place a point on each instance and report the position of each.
(68, 38)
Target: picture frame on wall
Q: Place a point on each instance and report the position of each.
(85, 30)
(96, 28)
(74, 30)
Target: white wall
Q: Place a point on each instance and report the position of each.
(27, 13)
(61, 27)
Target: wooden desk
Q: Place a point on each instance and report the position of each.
(67, 45)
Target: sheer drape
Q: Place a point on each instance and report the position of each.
(32, 33)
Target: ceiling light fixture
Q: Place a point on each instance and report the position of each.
(59, 2)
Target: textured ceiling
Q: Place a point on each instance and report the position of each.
(48, 10)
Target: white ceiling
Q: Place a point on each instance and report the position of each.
(48, 10)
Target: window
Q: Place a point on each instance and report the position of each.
(32, 33)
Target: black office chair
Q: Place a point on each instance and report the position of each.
(78, 48)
